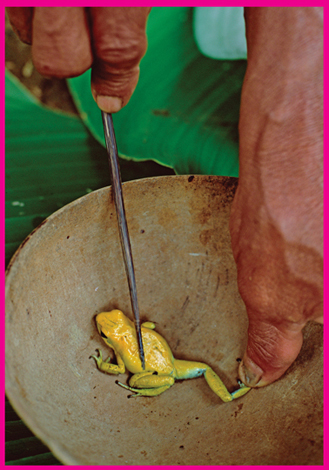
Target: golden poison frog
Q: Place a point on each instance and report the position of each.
(161, 368)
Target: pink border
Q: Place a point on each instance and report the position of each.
(2, 232)
(2, 197)
(182, 3)
(326, 225)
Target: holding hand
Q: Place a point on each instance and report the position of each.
(67, 41)
(277, 214)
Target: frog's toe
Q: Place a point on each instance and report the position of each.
(144, 392)
(242, 390)
(99, 358)
(93, 355)
(126, 386)
(121, 384)
(135, 390)
(241, 384)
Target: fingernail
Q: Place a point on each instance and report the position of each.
(109, 104)
(251, 373)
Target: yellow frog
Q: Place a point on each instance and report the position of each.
(161, 368)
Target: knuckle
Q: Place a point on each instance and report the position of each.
(121, 53)
(44, 67)
(48, 67)
(274, 347)
(108, 84)
(264, 347)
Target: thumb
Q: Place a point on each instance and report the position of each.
(270, 351)
(119, 42)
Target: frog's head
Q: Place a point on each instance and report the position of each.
(110, 324)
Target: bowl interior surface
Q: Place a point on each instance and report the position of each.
(71, 268)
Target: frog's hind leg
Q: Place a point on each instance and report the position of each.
(148, 384)
(240, 391)
(191, 369)
(150, 380)
(144, 392)
(219, 388)
(217, 385)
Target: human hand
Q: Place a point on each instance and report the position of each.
(277, 214)
(67, 41)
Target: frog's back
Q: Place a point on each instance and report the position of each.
(158, 355)
(121, 331)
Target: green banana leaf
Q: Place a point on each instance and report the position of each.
(184, 112)
(51, 159)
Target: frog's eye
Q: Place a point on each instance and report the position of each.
(102, 335)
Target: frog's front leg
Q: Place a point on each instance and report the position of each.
(108, 368)
(148, 384)
(191, 369)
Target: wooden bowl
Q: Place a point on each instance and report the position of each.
(71, 268)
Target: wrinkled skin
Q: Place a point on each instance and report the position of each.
(276, 219)
(67, 41)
